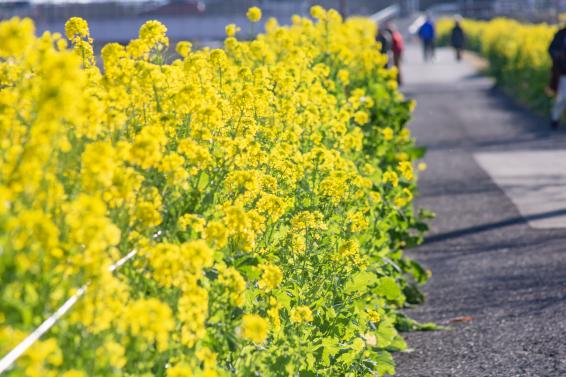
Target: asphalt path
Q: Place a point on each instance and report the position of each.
(497, 281)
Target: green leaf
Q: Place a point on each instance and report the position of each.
(422, 227)
(385, 363)
(250, 296)
(330, 313)
(413, 294)
(418, 272)
(330, 348)
(284, 299)
(203, 181)
(310, 360)
(398, 344)
(386, 333)
(360, 282)
(416, 152)
(405, 324)
(348, 357)
(426, 214)
(388, 287)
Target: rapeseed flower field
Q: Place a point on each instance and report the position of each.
(264, 191)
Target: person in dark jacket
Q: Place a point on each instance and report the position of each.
(457, 39)
(557, 84)
(385, 40)
(427, 35)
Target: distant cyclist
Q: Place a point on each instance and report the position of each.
(557, 51)
(427, 35)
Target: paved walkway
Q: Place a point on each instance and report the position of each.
(497, 250)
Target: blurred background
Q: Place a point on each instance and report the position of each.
(204, 20)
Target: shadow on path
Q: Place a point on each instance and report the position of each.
(491, 226)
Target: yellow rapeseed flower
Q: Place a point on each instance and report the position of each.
(361, 117)
(151, 320)
(183, 48)
(301, 314)
(76, 27)
(16, 35)
(406, 169)
(234, 283)
(318, 12)
(254, 328)
(153, 33)
(231, 30)
(254, 14)
(387, 134)
(180, 370)
(391, 177)
(270, 278)
(374, 316)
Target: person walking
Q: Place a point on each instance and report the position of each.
(385, 40)
(427, 35)
(557, 85)
(457, 39)
(397, 47)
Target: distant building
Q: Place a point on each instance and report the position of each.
(11, 8)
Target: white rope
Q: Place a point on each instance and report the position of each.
(22, 347)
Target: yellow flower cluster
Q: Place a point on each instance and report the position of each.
(76, 30)
(235, 284)
(260, 186)
(254, 14)
(254, 328)
(271, 277)
(301, 314)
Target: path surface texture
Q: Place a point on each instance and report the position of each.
(496, 180)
